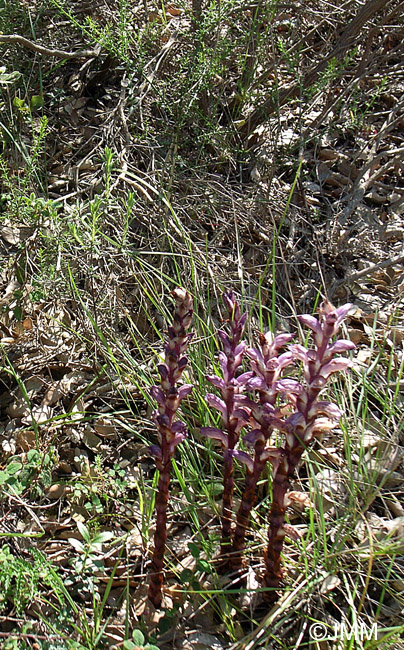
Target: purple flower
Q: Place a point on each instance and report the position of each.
(310, 418)
(234, 416)
(215, 434)
(242, 457)
(170, 431)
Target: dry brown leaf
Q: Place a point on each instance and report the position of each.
(323, 172)
(396, 335)
(173, 10)
(65, 467)
(78, 410)
(91, 441)
(15, 234)
(331, 487)
(336, 179)
(292, 532)
(56, 491)
(328, 154)
(395, 507)
(39, 414)
(10, 289)
(26, 440)
(33, 385)
(363, 356)
(179, 542)
(201, 641)
(370, 439)
(18, 409)
(393, 529)
(154, 17)
(27, 323)
(347, 169)
(105, 427)
(355, 335)
(53, 394)
(75, 379)
(299, 499)
(329, 583)
(393, 479)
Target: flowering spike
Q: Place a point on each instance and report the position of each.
(170, 431)
(267, 365)
(233, 417)
(304, 424)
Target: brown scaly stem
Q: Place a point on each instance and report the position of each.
(276, 534)
(311, 417)
(244, 512)
(227, 508)
(160, 537)
(170, 431)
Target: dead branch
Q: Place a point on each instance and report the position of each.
(353, 277)
(345, 42)
(11, 39)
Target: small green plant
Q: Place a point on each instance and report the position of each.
(7, 78)
(115, 37)
(138, 642)
(88, 565)
(19, 193)
(20, 578)
(31, 473)
(97, 491)
(359, 110)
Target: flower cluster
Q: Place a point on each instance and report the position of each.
(310, 416)
(267, 366)
(234, 417)
(260, 401)
(170, 431)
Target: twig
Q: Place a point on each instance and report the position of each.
(346, 41)
(23, 635)
(366, 178)
(360, 274)
(10, 39)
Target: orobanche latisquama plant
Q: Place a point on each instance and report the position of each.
(267, 365)
(258, 400)
(310, 417)
(261, 400)
(233, 417)
(171, 432)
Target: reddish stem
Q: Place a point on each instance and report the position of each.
(160, 537)
(170, 432)
(227, 508)
(276, 533)
(244, 512)
(318, 367)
